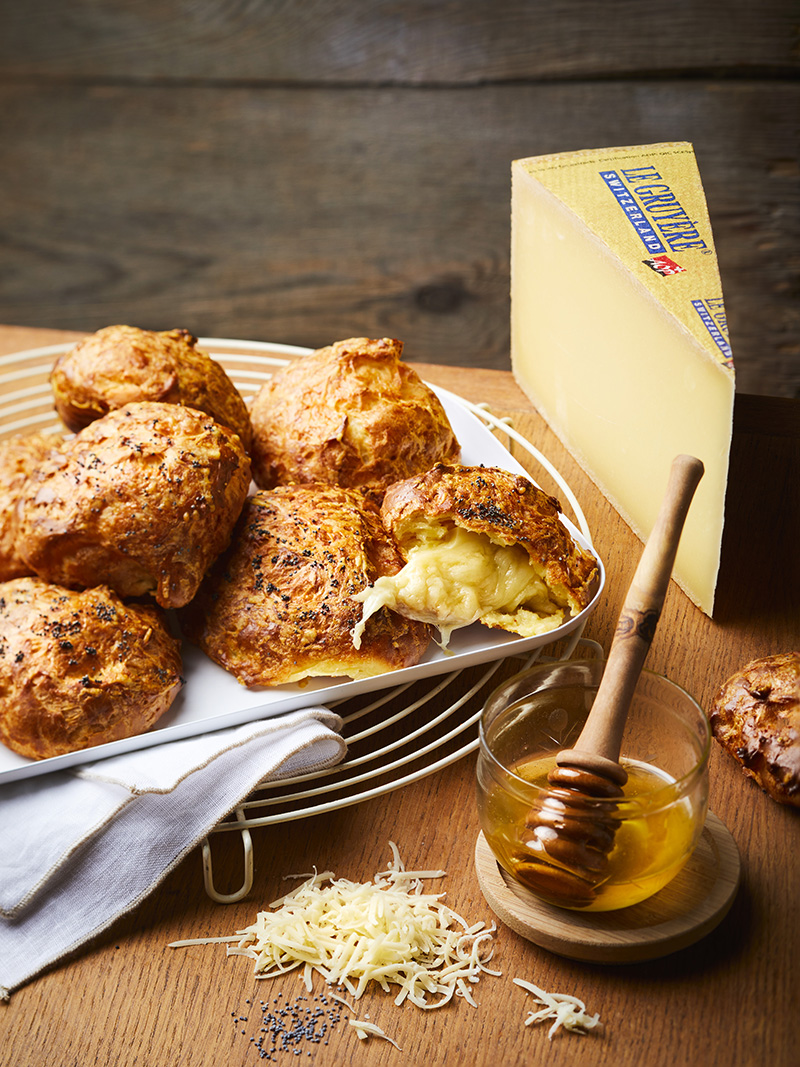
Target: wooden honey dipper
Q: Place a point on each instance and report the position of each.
(573, 825)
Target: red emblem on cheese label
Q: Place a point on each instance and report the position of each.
(664, 265)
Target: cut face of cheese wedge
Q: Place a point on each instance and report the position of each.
(454, 577)
(618, 331)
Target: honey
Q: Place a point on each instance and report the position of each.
(591, 854)
(655, 831)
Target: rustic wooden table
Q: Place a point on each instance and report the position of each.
(128, 999)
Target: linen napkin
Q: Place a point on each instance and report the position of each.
(80, 848)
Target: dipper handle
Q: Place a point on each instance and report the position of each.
(598, 746)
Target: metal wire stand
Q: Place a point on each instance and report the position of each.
(394, 738)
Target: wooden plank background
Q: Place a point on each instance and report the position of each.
(303, 172)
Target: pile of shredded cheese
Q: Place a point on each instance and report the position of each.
(565, 1010)
(386, 931)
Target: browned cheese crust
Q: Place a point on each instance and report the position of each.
(278, 607)
(20, 456)
(352, 414)
(506, 508)
(79, 669)
(120, 365)
(142, 500)
(755, 716)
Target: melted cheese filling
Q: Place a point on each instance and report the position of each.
(454, 577)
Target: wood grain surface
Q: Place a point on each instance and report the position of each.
(424, 42)
(129, 1000)
(305, 172)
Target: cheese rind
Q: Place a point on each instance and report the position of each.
(618, 331)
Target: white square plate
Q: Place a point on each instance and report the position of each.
(212, 699)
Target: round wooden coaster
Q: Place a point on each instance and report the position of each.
(684, 911)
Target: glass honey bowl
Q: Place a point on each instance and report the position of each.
(657, 822)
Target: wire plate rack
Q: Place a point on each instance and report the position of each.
(395, 737)
(403, 736)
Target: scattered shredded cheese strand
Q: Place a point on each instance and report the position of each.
(387, 931)
(365, 1030)
(567, 1011)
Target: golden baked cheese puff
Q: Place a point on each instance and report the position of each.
(20, 456)
(278, 606)
(142, 500)
(353, 414)
(80, 668)
(121, 365)
(480, 544)
(755, 716)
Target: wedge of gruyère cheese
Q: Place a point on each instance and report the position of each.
(618, 331)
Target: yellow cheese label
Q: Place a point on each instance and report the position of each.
(647, 205)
